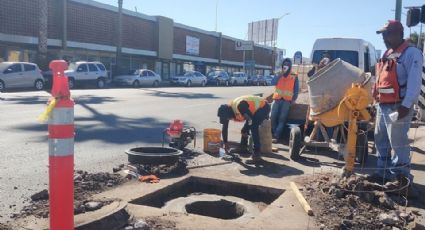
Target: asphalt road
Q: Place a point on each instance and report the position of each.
(107, 121)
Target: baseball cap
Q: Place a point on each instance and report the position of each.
(391, 25)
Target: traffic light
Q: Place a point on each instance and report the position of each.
(413, 16)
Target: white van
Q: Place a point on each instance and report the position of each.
(357, 52)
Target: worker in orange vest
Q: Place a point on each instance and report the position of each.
(286, 92)
(251, 109)
(396, 90)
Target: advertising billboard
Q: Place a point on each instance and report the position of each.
(192, 45)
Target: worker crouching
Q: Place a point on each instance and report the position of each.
(251, 109)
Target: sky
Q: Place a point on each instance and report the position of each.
(307, 19)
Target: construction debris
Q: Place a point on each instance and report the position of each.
(353, 203)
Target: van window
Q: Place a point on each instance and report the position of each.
(349, 56)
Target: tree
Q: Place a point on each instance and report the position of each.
(414, 39)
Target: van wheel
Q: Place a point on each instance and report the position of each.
(71, 83)
(101, 83)
(39, 85)
(2, 86)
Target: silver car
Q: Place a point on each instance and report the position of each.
(190, 78)
(239, 78)
(137, 78)
(20, 75)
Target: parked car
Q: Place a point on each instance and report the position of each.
(190, 78)
(239, 78)
(87, 73)
(269, 79)
(258, 80)
(20, 75)
(137, 78)
(218, 77)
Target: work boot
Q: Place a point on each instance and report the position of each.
(376, 178)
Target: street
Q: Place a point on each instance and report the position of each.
(107, 121)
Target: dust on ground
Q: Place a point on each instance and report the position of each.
(85, 185)
(354, 203)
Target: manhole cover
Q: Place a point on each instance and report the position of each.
(221, 209)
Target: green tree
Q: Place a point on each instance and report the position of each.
(414, 39)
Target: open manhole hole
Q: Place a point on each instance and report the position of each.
(221, 209)
(211, 197)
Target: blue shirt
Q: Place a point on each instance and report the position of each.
(409, 74)
(296, 85)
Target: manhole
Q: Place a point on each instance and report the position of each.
(245, 195)
(221, 209)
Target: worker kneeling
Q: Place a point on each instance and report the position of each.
(251, 109)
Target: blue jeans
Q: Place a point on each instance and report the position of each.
(392, 136)
(280, 111)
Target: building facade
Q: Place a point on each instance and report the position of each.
(88, 30)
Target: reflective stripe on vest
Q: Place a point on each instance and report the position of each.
(387, 87)
(254, 102)
(285, 88)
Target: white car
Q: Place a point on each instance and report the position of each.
(87, 73)
(137, 78)
(190, 78)
(20, 75)
(239, 78)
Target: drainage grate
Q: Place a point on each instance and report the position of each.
(190, 185)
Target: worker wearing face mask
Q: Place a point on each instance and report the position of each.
(286, 92)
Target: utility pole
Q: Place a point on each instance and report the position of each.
(119, 36)
(398, 4)
(42, 35)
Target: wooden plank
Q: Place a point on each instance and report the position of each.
(301, 199)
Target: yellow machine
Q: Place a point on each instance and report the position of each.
(352, 110)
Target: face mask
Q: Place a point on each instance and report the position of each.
(285, 68)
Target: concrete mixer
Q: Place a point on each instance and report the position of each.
(337, 116)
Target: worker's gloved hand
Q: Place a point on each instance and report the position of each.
(402, 112)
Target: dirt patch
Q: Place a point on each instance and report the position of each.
(151, 223)
(353, 203)
(85, 185)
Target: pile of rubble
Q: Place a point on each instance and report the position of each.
(85, 185)
(354, 203)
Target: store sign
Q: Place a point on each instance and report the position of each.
(244, 45)
(192, 45)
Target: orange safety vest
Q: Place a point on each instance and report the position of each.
(254, 102)
(285, 88)
(387, 87)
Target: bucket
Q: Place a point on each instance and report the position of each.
(265, 131)
(327, 86)
(212, 141)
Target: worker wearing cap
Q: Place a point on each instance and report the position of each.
(285, 93)
(251, 109)
(397, 87)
